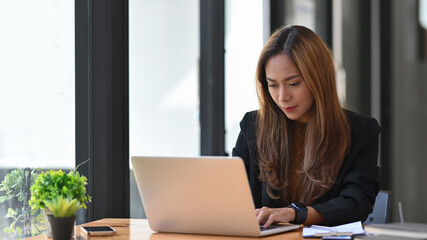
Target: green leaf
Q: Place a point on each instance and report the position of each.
(12, 225)
(11, 212)
(34, 230)
(3, 198)
(63, 207)
(21, 197)
(40, 218)
(19, 231)
(8, 230)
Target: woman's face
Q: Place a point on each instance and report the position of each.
(288, 88)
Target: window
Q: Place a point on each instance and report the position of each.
(37, 127)
(163, 82)
(243, 44)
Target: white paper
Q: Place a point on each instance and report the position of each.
(354, 228)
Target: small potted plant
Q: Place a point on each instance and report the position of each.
(60, 195)
(63, 216)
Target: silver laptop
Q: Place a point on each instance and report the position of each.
(201, 195)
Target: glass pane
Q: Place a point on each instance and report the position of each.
(163, 82)
(301, 12)
(243, 44)
(422, 13)
(36, 99)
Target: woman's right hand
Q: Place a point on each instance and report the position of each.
(267, 216)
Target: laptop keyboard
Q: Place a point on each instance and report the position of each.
(270, 227)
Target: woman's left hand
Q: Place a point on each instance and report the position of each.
(268, 216)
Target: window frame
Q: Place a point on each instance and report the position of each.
(102, 106)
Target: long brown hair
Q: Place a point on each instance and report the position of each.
(327, 136)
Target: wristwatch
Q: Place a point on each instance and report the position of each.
(300, 213)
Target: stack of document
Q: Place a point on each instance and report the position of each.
(341, 230)
(399, 230)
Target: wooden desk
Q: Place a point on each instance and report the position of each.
(137, 229)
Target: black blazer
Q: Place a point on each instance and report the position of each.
(352, 196)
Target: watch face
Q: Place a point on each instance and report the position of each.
(301, 206)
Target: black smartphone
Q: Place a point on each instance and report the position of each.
(98, 231)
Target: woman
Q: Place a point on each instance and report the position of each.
(308, 160)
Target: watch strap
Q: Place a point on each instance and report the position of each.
(300, 213)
